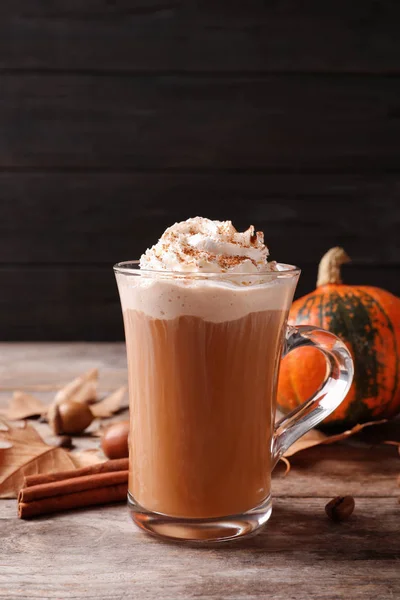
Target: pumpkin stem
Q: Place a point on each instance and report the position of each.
(329, 267)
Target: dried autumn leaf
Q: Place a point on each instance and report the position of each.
(28, 455)
(314, 437)
(308, 440)
(99, 431)
(86, 458)
(110, 405)
(287, 465)
(81, 389)
(4, 445)
(23, 405)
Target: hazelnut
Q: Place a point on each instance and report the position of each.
(114, 440)
(69, 417)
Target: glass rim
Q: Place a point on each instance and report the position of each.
(131, 267)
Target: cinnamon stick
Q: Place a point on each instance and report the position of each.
(118, 464)
(54, 492)
(45, 506)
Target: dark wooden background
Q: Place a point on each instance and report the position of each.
(119, 117)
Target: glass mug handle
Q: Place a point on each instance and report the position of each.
(338, 378)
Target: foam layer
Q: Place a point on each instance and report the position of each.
(215, 301)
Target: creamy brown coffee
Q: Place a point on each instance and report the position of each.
(202, 411)
(203, 345)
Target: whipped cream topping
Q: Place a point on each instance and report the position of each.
(203, 245)
(165, 287)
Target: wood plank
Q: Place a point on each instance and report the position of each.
(98, 218)
(81, 303)
(353, 468)
(61, 303)
(300, 554)
(173, 35)
(360, 467)
(98, 553)
(357, 468)
(274, 122)
(43, 368)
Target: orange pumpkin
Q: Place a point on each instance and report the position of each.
(367, 319)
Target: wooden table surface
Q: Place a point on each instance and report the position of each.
(98, 553)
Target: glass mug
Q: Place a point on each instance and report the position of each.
(203, 365)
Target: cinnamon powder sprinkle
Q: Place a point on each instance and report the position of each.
(225, 262)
